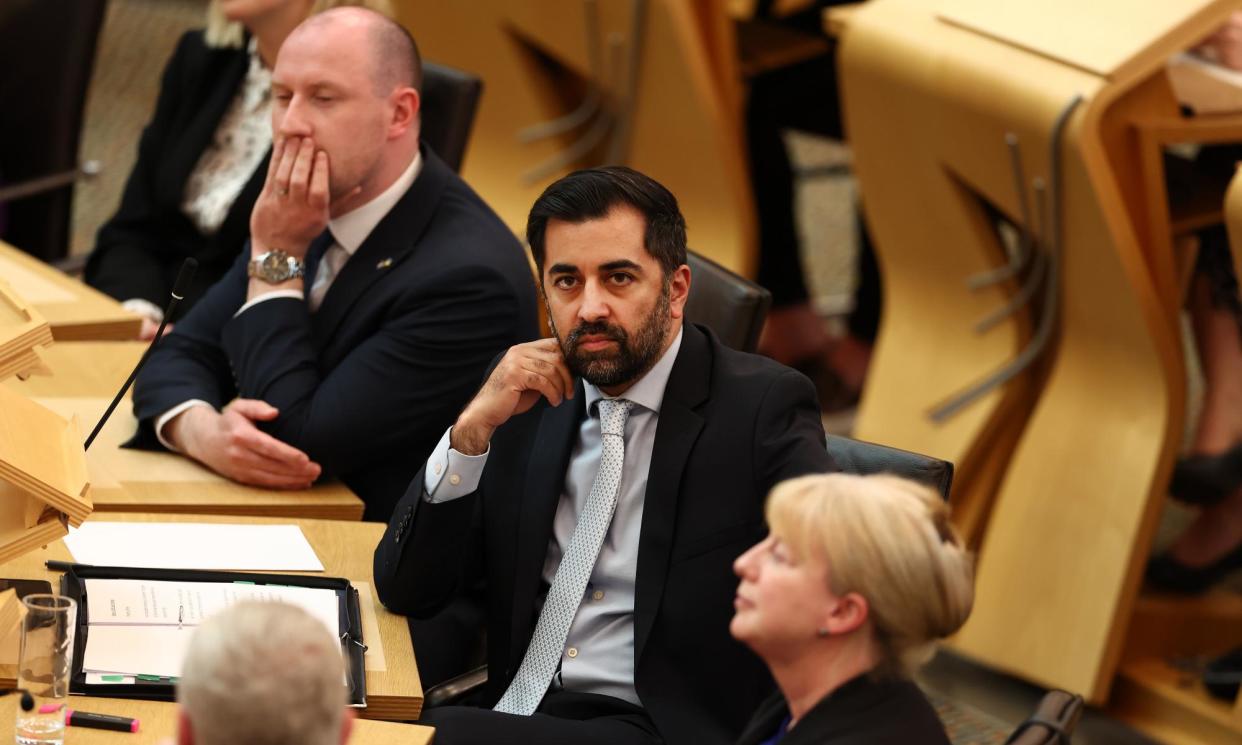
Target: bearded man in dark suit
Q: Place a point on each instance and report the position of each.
(605, 480)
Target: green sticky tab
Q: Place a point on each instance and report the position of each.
(242, 582)
(113, 678)
(150, 678)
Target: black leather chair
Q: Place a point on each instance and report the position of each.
(1052, 723)
(450, 98)
(857, 456)
(47, 53)
(732, 306)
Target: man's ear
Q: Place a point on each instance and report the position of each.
(406, 105)
(847, 614)
(185, 732)
(678, 291)
(347, 725)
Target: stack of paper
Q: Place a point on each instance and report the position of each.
(270, 548)
(143, 627)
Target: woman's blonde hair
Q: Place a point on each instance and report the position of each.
(221, 32)
(889, 540)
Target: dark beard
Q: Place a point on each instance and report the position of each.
(630, 361)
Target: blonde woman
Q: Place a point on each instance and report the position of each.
(201, 159)
(844, 600)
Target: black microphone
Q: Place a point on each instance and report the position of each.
(178, 293)
(27, 699)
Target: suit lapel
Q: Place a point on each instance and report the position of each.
(677, 431)
(545, 480)
(193, 140)
(392, 241)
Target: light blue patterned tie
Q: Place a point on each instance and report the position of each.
(569, 584)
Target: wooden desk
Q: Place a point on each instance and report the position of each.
(85, 376)
(73, 310)
(158, 721)
(345, 548)
(955, 108)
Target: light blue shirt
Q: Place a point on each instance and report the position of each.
(599, 651)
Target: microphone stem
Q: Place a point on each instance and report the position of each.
(130, 381)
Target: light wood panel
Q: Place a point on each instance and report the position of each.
(929, 103)
(1107, 38)
(74, 310)
(23, 332)
(346, 550)
(685, 129)
(84, 377)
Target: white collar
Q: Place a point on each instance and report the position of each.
(648, 391)
(352, 228)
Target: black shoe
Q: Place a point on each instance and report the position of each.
(1207, 479)
(1222, 675)
(1166, 573)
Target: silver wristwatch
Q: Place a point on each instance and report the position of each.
(276, 266)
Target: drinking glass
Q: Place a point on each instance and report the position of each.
(43, 667)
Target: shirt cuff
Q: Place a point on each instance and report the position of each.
(463, 472)
(167, 417)
(296, 294)
(144, 308)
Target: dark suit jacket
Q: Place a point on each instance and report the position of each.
(370, 381)
(731, 426)
(861, 712)
(139, 251)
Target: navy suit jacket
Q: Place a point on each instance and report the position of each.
(731, 426)
(139, 250)
(368, 383)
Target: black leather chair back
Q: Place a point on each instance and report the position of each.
(856, 456)
(47, 53)
(1053, 722)
(732, 306)
(450, 98)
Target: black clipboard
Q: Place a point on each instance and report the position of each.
(73, 585)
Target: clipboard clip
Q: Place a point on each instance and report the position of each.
(345, 635)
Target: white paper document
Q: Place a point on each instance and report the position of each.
(272, 548)
(142, 627)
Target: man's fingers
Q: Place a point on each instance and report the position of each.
(535, 381)
(255, 476)
(549, 350)
(243, 456)
(547, 370)
(285, 169)
(275, 450)
(299, 178)
(318, 196)
(273, 163)
(253, 408)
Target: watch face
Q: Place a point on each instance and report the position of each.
(275, 266)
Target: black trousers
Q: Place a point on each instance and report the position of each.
(802, 97)
(564, 718)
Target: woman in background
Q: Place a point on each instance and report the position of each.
(201, 159)
(844, 600)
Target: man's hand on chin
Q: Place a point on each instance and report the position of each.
(230, 444)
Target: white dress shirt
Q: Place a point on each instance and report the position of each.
(348, 232)
(599, 650)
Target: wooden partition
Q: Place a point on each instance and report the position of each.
(666, 95)
(1063, 469)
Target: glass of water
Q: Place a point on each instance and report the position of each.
(43, 667)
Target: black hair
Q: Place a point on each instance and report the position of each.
(591, 193)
